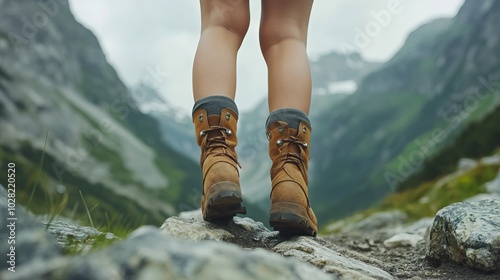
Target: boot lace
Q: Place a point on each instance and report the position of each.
(215, 143)
(294, 158)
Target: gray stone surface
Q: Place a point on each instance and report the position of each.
(80, 238)
(310, 250)
(194, 230)
(193, 214)
(420, 227)
(32, 244)
(250, 234)
(149, 254)
(468, 233)
(403, 240)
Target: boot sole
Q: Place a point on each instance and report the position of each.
(224, 202)
(290, 219)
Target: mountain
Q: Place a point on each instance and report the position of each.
(177, 129)
(333, 69)
(478, 139)
(444, 77)
(73, 129)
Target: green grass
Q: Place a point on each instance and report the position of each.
(34, 183)
(122, 210)
(435, 198)
(426, 199)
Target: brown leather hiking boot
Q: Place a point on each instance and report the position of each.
(291, 212)
(216, 136)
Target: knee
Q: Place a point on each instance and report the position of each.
(272, 34)
(231, 15)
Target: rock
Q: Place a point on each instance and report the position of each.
(494, 186)
(491, 160)
(310, 250)
(468, 233)
(482, 196)
(377, 221)
(466, 164)
(193, 214)
(250, 234)
(402, 240)
(194, 230)
(242, 231)
(79, 238)
(149, 254)
(32, 244)
(420, 227)
(363, 246)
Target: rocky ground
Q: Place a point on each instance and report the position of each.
(406, 262)
(381, 246)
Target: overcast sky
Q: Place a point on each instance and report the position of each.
(161, 35)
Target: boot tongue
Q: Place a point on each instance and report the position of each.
(292, 147)
(214, 120)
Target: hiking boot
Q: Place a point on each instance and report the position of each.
(216, 136)
(291, 212)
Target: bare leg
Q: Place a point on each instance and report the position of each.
(224, 24)
(283, 36)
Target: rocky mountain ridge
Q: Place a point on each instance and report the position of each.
(72, 127)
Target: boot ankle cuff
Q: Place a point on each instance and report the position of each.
(293, 117)
(214, 104)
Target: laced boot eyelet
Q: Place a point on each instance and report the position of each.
(279, 143)
(202, 133)
(228, 116)
(229, 132)
(201, 117)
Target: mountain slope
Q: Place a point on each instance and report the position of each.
(55, 82)
(445, 76)
(478, 139)
(177, 129)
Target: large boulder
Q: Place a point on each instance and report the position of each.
(468, 233)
